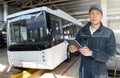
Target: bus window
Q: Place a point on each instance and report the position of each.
(57, 30)
(69, 29)
(18, 32)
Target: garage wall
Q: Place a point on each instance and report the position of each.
(113, 14)
(114, 24)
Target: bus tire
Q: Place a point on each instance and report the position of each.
(68, 55)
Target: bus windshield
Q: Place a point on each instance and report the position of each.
(28, 29)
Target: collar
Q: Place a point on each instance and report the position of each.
(91, 31)
(87, 26)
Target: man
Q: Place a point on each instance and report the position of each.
(98, 45)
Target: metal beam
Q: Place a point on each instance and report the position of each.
(40, 3)
(8, 1)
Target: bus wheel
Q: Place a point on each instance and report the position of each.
(68, 55)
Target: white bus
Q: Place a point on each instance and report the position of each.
(37, 37)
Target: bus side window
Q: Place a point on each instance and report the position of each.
(56, 31)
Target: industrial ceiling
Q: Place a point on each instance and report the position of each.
(76, 8)
(73, 7)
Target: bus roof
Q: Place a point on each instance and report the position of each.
(57, 12)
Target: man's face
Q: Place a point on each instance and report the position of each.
(95, 16)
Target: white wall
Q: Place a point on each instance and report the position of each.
(114, 24)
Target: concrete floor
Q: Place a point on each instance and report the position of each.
(3, 55)
(73, 71)
(4, 65)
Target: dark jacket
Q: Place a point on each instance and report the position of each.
(103, 45)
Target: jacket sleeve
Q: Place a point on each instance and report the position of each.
(110, 49)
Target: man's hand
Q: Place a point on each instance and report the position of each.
(85, 51)
(73, 48)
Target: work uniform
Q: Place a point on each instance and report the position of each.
(102, 44)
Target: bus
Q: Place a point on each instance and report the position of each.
(36, 38)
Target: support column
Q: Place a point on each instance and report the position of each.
(104, 8)
(5, 11)
(1, 12)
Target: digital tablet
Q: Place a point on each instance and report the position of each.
(74, 42)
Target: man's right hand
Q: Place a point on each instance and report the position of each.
(73, 48)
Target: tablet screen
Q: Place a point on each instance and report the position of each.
(74, 42)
